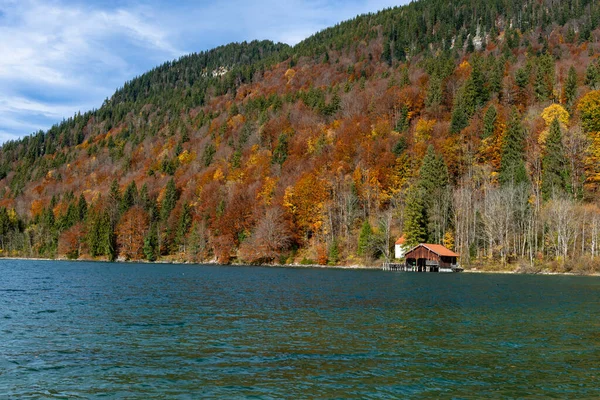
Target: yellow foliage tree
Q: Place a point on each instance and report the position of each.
(589, 107)
(424, 129)
(305, 202)
(592, 163)
(186, 157)
(550, 113)
(555, 111)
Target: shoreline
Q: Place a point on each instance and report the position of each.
(314, 266)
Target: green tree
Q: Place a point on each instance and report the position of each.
(489, 122)
(544, 78)
(151, 244)
(555, 168)
(387, 53)
(592, 76)
(459, 119)
(169, 201)
(129, 197)
(82, 207)
(415, 219)
(403, 122)
(183, 226)
(512, 164)
(281, 150)
(433, 174)
(571, 87)
(333, 255)
(365, 240)
(435, 92)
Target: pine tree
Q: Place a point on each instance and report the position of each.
(129, 197)
(592, 76)
(387, 53)
(478, 79)
(365, 240)
(169, 201)
(489, 122)
(280, 153)
(144, 198)
(544, 78)
(415, 219)
(433, 174)
(571, 87)
(512, 164)
(555, 168)
(151, 244)
(435, 92)
(114, 194)
(403, 122)
(82, 207)
(460, 119)
(333, 254)
(404, 78)
(183, 226)
(496, 74)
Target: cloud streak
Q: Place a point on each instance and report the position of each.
(64, 56)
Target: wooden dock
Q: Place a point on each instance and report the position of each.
(425, 268)
(398, 267)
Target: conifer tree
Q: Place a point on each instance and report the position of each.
(82, 207)
(151, 244)
(333, 254)
(433, 174)
(169, 201)
(489, 122)
(512, 164)
(114, 194)
(402, 123)
(592, 76)
(387, 53)
(415, 219)
(144, 197)
(571, 87)
(459, 119)
(555, 168)
(544, 78)
(365, 240)
(434, 92)
(129, 197)
(404, 78)
(183, 225)
(479, 85)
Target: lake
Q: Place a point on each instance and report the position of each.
(81, 330)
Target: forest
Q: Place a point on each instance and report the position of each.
(474, 124)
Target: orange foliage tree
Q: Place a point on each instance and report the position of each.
(70, 241)
(130, 233)
(305, 201)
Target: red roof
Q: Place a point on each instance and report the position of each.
(402, 240)
(438, 249)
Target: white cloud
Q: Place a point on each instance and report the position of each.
(67, 49)
(63, 56)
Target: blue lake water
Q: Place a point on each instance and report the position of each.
(81, 330)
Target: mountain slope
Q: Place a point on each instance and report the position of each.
(435, 120)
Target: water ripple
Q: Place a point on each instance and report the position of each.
(81, 330)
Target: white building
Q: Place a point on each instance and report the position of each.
(399, 248)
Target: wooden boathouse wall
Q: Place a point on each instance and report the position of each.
(430, 257)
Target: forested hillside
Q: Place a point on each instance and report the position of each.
(475, 124)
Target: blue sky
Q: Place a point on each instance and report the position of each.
(58, 57)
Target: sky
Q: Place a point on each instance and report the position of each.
(58, 57)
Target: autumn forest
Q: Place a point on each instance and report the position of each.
(474, 124)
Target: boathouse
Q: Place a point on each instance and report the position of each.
(431, 258)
